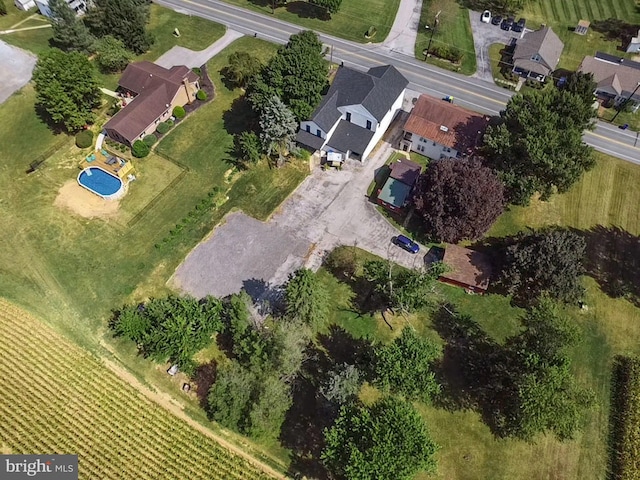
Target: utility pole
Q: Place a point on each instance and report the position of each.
(624, 104)
(433, 30)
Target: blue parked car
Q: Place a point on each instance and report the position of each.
(406, 243)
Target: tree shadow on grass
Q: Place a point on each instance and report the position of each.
(472, 369)
(303, 428)
(613, 260)
(205, 376)
(308, 10)
(342, 347)
(240, 117)
(616, 29)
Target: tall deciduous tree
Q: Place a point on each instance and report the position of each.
(111, 55)
(545, 394)
(581, 84)
(404, 366)
(387, 441)
(538, 145)
(242, 67)
(307, 300)
(67, 88)
(297, 74)
(229, 398)
(331, 6)
(458, 200)
(69, 32)
(272, 400)
(548, 261)
(124, 19)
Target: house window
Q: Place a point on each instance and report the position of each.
(368, 124)
(348, 116)
(536, 58)
(434, 144)
(318, 133)
(308, 128)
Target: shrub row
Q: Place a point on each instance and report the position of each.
(201, 95)
(190, 220)
(164, 127)
(625, 419)
(446, 52)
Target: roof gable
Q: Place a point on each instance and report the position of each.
(608, 71)
(447, 124)
(376, 90)
(543, 43)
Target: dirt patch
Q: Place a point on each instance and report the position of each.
(72, 196)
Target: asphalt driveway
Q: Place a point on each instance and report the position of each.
(16, 66)
(328, 209)
(484, 35)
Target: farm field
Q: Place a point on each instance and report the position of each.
(562, 16)
(58, 398)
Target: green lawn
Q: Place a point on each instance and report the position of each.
(562, 16)
(351, 22)
(454, 30)
(608, 195)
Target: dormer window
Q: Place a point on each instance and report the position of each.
(536, 58)
(348, 116)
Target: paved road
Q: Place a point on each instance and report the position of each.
(16, 66)
(469, 92)
(191, 58)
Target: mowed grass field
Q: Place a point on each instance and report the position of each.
(351, 22)
(563, 15)
(608, 195)
(58, 398)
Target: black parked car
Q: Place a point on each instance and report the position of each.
(518, 27)
(496, 20)
(507, 23)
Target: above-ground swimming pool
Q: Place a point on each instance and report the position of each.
(101, 182)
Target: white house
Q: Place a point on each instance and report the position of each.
(355, 112)
(78, 6)
(25, 4)
(439, 129)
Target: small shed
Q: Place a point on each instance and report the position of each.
(583, 26)
(397, 189)
(468, 269)
(634, 44)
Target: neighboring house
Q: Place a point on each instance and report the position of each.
(78, 6)
(355, 112)
(438, 129)
(634, 44)
(468, 269)
(151, 92)
(616, 78)
(397, 189)
(537, 54)
(25, 4)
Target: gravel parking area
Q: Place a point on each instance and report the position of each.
(16, 67)
(241, 253)
(484, 35)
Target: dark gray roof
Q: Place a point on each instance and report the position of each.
(618, 60)
(350, 137)
(309, 139)
(375, 90)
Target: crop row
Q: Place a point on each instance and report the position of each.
(58, 398)
(625, 413)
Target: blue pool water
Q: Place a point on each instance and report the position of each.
(100, 182)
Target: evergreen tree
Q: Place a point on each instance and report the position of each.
(126, 20)
(69, 32)
(111, 56)
(307, 300)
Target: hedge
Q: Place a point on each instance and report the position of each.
(446, 52)
(150, 139)
(179, 112)
(84, 139)
(625, 419)
(201, 95)
(163, 127)
(140, 149)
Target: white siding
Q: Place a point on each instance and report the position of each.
(359, 116)
(313, 128)
(26, 5)
(384, 124)
(431, 149)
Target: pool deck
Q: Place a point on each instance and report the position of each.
(118, 169)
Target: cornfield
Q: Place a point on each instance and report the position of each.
(57, 398)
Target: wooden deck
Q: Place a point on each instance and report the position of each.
(120, 168)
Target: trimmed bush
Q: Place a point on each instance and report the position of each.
(163, 128)
(140, 149)
(149, 140)
(201, 95)
(170, 122)
(179, 112)
(84, 139)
